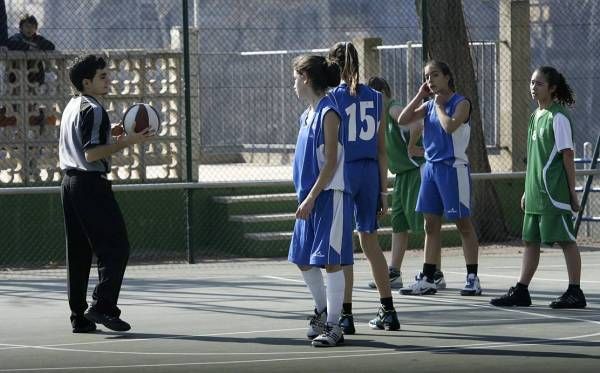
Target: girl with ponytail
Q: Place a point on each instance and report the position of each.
(361, 109)
(550, 200)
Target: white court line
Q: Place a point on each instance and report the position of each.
(282, 279)
(405, 352)
(505, 309)
(352, 353)
(173, 337)
(12, 346)
(545, 266)
(516, 276)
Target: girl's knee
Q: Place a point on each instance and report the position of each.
(465, 227)
(432, 226)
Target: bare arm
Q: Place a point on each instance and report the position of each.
(569, 165)
(331, 125)
(383, 166)
(413, 149)
(450, 124)
(105, 151)
(415, 110)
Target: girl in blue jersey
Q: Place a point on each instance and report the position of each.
(361, 109)
(446, 181)
(323, 230)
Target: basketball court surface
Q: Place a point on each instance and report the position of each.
(250, 316)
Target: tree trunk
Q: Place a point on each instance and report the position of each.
(446, 37)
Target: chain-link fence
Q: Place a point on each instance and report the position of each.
(243, 111)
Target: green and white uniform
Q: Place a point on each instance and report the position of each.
(548, 215)
(408, 177)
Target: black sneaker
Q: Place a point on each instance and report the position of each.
(316, 324)
(347, 323)
(82, 325)
(572, 298)
(111, 322)
(514, 297)
(439, 281)
(385, 319)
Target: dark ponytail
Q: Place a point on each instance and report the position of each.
(321, 72)
(381, 85)
(346, 56)
(563, 92)
(445, 69)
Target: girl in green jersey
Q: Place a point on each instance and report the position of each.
(550, 199)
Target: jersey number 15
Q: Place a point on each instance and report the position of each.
(366, 134)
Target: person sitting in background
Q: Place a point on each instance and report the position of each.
(27, 39)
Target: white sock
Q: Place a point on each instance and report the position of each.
(313, 278)
(335, 295)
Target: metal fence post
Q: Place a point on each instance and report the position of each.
(587, 154)
(188, 131)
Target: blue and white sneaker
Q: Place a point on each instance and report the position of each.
(332, 336)
(472, 286)
(421, 286)
(395, 280)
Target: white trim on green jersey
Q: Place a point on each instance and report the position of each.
(546, 184)
(410, 158)
(558, 205)
(562, 218)
(562, 132)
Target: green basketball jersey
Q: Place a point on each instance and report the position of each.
(396, 145)
(546, 186)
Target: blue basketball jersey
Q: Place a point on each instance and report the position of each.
(441, 146)
(309, 157)
(360, 120)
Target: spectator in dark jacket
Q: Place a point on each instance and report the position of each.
(28, 40)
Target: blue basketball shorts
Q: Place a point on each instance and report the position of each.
(325, 238)
(445, 190)
(363, 176)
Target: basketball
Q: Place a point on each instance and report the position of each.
(140, 116)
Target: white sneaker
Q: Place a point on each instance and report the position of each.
(472, 286)
(438, 280)
(395, 280)
(316, 324)
(420, 287)
(331, 337)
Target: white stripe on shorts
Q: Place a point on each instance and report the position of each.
(337, 225)
(567, 228)
(464, 187)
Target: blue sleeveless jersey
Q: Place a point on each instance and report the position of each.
(441, 146)
(360, 120)
(309, 157)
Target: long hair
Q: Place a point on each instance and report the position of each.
(563, 92)
(445, 69)
(381, 85)
(346, 56)
(321, 73)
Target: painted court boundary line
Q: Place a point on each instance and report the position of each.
(354, 353)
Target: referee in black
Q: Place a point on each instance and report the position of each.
(93, 221)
